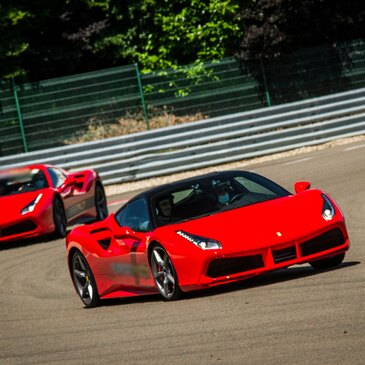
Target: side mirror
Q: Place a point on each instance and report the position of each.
(300, 186)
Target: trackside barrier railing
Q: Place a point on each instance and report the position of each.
(76, 108)
(212, 141)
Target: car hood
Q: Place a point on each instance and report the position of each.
(12, 205)
(260, 225)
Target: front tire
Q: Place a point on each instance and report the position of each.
(84, 281)
(327, 262)
(164, 274)
(59, 218)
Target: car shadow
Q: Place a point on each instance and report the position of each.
(269, 278)
(45, 238)
(266, 279)
(29, 241)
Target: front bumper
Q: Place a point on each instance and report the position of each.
(234, 267)
(27, 226)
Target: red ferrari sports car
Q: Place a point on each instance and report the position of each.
(201, 232)
(41, 199)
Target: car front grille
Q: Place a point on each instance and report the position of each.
(234, 265)
(285, 254)
(18, 228)
(323, 242)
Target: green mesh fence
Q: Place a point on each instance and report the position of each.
(316, 72)
(51, 113)
(213, 89)
(10, 133)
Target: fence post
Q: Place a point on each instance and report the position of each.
(265, 83)
(144, 106)
(25, 145)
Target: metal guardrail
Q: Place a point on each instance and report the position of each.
(211, 141)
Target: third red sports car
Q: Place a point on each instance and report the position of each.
(39, 199)
(204, 231)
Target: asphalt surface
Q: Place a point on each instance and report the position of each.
(293, 316)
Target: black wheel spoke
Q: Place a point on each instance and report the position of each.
(85, 291)
(80, 274)
(159, 274)
(166, 286)
(82, 265)
(170, 277)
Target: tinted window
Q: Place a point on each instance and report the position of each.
(57, 176)
(135, 215)
(209, 195)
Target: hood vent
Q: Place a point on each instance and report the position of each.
(98, 230)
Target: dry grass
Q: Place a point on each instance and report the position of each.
(97, 130)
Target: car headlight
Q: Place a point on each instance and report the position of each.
(328, 210)
(31, 206)
(202, 242)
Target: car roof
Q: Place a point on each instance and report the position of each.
(191, 180)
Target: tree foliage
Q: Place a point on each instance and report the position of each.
(43, 39)
(274, 27)
(163, 33)
(12, 43)
(47, 39)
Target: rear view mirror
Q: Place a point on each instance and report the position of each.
(300, 186)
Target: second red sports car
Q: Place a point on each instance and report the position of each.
(39, 199)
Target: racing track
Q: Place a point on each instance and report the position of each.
(294, 316)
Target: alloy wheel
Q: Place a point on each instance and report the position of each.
(164, 274)
(84, 281)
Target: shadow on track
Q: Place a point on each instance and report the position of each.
(274, 277)
(29, 241)
(269, 278)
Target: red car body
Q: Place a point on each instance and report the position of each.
(256, 232)
(40, 199)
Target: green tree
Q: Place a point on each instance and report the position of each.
(12, 43)
(192, 31)
(164, 34)
(47, 39)
(43, 39)
(275, 27)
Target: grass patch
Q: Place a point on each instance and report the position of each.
(97, 129)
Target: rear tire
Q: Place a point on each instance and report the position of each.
(101, 206)
(84, 281)
(328, 262)
(59, 218)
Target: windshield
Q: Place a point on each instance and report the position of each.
(21, 181)
(207, 196)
